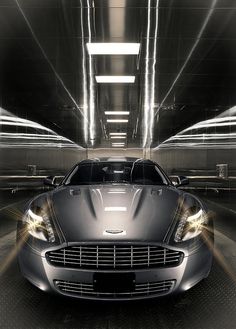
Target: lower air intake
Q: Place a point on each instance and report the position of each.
(80, 289)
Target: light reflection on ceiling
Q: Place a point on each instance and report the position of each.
(19, 132)
(219, 132)
(149, 83)
(179, 53)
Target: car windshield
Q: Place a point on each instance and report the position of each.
(116, 172)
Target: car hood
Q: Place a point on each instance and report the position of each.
(115, 212)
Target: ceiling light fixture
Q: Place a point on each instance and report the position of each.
(118, 134)
(113, 48)
(117, 112)
(117, 120)
(118, 137)
(115, 78)
(115, 209)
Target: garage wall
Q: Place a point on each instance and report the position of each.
(108, 152)
(199, 161)
(15, 161)
(25, 143)
(199, 148)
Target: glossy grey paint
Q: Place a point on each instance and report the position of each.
(147, 215)
(82, 216)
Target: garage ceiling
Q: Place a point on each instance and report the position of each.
(184, 71)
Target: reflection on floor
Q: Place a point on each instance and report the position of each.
(210, 304)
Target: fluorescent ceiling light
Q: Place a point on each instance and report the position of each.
(115, 78)
(118, 134)
(115, 209)
(118, 137)
(117, 120)
(118, 143)
(117, 112)
(113, 48)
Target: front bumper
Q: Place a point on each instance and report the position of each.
(79, 283)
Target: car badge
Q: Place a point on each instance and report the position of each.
(114, 232)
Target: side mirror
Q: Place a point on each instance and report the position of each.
(179, 180)
(50, 181)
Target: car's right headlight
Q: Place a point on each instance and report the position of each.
(191, 223)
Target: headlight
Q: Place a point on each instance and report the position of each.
(191, 223)
(37, 223)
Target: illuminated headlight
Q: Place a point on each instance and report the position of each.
(38, 224)
(190, 225)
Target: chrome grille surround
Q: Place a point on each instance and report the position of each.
(80, 289)
(108, 257)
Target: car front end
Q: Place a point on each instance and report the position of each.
(51, 271)
(114, 254)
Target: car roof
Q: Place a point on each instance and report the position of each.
(117, 159)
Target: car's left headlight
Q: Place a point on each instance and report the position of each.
(190, 224)
(37, 223)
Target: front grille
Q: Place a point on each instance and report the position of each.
(114, 257)
(141, 289)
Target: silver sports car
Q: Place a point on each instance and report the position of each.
(115, 229)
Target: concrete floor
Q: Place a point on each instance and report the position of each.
(210, 304)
